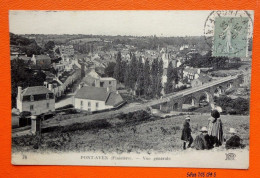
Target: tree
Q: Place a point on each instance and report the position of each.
(159, 78)
(22, 76)
(172, 78)
(127, 76)
(49, 46)
(133, 72)
(82, 70)
(117, 68)
(140, 77)
(109, 70)
(123, 71)
(147, 78)
(154, 77)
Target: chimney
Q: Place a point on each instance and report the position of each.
(45, 84)
(80, 85)
(19, 93)
(97, 83)
(50, 87)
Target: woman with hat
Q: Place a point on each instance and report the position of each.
(186, 133)
(202, 141)
(234, 141)
(215, 129)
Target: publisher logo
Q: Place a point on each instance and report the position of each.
(230, 156)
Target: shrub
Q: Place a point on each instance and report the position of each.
(233, 106)
(134, 116)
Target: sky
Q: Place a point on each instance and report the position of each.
(135, 23)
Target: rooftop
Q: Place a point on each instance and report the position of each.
(100, 94)
(191, 70)
(42, 57)
(107, 78)
(36, 90)
(92, 93)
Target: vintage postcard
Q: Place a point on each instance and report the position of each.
(131, 88)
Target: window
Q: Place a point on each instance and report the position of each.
(101, 84)
(48, 105)
(31, 98)
(81, 103)
(89, 104)
(31, 107)
(96, 104)
(47, 96)
(109, 82)
(89, 109)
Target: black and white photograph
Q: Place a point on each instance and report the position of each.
(150, 88)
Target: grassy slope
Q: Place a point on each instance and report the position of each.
(158, 135)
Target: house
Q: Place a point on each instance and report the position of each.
(91, 98)
(191, 73)
(201, 80)
(91, 72)
(107, 82)
(37, 100)
(68, 78)
(66, 50)
(54, 86)
(41, 61)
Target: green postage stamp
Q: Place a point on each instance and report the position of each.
(230, 37)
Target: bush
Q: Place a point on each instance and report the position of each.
(71, 111)
(233, 106)
(135, 116)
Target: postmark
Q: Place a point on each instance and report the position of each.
(228, 33)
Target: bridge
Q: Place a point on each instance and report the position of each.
(193, 96)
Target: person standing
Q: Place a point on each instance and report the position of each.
(186, 133)
(202, 141)
(215, 128)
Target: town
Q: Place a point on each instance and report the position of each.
(61, 80)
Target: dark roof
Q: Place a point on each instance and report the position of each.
(92, 93)
(54, 83)
(100, 94)
(36, 90)
(89, 80)
(114, 99)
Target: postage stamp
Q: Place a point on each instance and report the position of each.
(230, 37)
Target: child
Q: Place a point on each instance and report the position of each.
(234, 141)
(186, 133)
(202, 141)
